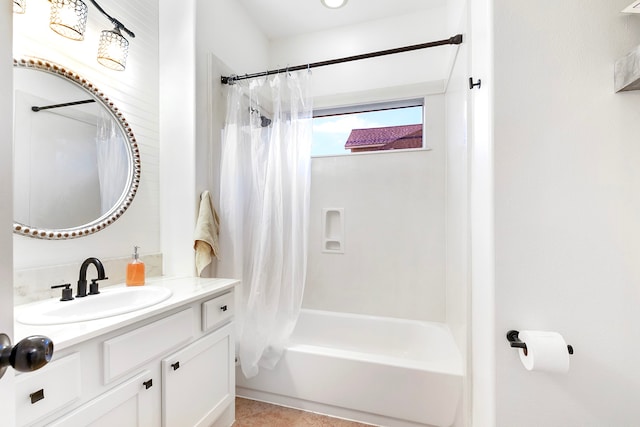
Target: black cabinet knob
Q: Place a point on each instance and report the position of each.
(175, 366)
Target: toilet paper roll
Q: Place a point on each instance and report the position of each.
(546, 351)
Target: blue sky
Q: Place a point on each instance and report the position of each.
(331, 133)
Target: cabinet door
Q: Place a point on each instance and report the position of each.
(198, 382)
(131, 404)
(48, 390)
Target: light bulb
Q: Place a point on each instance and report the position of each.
(334, 4)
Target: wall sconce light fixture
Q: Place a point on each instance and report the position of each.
(69, 19)
(19, 6)
(113, 49)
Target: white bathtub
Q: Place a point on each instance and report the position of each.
(383, 371)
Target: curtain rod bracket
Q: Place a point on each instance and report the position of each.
(477, 84)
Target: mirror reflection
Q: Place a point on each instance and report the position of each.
(76, 169)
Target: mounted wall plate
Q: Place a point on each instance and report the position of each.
(626, 75)
(632, 8)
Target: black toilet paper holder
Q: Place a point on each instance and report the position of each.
(514, 340)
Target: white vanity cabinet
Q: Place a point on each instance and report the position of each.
(174, 369)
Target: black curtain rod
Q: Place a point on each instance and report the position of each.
(66, 104)
(457, 39)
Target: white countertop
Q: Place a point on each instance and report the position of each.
(184, 291)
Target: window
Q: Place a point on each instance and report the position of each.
(366, 128)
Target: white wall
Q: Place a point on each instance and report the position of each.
(135, 92)
(481, 216)
(199, 41)
(567, 210)
(388, 73)
(394, 242)
(457, 193)
(457, 218)
(177, 89)
(227, 42)
(7, 392)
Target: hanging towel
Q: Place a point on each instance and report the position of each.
(206, 234)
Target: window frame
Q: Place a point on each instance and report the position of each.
(372, 107)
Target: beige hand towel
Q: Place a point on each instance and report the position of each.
(206, 234)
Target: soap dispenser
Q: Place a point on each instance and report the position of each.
(135, 270)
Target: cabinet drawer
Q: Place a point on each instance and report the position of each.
(127, 352)
(129, 404)
(217, 310)
(49, 389)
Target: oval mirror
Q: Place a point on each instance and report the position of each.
(76, 160)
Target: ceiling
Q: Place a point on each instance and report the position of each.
(285, 18)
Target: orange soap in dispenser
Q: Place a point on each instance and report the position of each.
(135, 270)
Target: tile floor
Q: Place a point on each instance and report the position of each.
(250, 413)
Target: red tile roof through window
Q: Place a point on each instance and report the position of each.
(385, 138)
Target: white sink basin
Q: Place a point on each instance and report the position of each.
(110, 302)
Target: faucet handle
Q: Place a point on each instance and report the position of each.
(67, 292)
(93, 286)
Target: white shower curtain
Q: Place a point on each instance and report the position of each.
(264, 205)
(113, 164)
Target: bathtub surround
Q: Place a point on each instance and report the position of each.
(398, 270)
(264, 208)
(394, 229)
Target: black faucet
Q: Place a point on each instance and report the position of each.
(82, 280)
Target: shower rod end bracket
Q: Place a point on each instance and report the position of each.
(227, 80)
